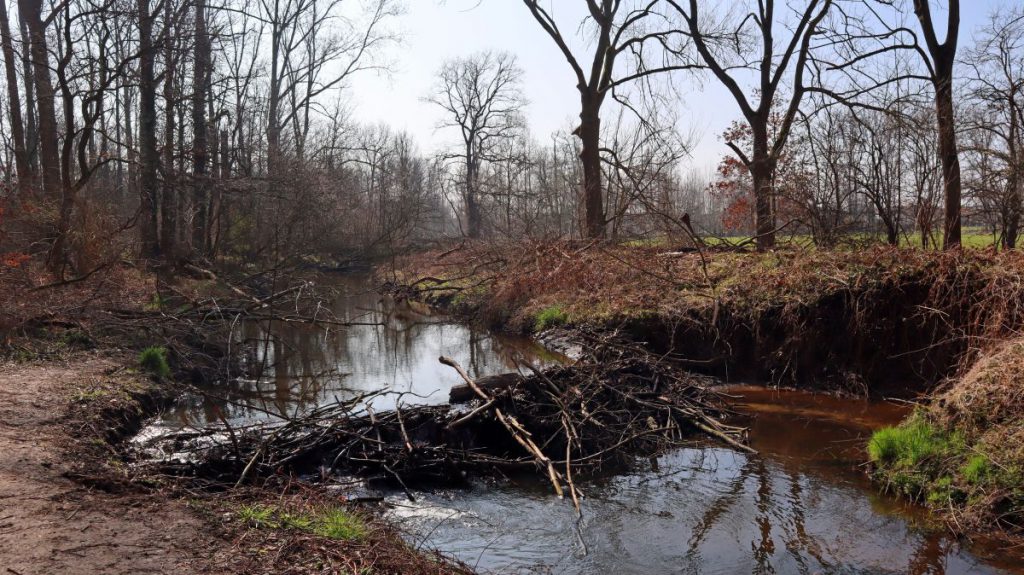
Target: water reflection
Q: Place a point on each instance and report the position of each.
(295, 367)
(801, 506)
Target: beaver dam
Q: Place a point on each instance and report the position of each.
(514, 458)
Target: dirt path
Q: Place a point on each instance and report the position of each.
(50, 524)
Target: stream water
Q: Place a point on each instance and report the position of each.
(801, 505)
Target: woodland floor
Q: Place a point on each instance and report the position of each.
(50, 523)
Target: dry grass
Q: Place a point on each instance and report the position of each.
(940, 308)
(978, 481)
(599, 281)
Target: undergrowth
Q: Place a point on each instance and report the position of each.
(963, 453)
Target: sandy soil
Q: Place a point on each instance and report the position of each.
(52, 524)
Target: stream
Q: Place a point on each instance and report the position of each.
(802, 505)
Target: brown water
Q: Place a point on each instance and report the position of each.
(801, 506)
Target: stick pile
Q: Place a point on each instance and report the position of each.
(602, 414)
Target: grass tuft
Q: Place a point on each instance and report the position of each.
(154, 360)
(977, 469)
(340, 524)
(259, 516)
(331, 523)
(549, 317)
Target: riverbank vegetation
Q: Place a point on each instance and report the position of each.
(936, 327)
(962, 450)
(172, 170)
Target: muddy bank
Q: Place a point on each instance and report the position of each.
(67, 507)
(881, 321)
(75, 390)
(68, 490)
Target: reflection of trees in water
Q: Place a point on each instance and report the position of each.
(930, 558)
(765, 547)
(778, 501)
(294, 367)
(798, 542)
(715, 512)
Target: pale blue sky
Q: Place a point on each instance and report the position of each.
(436, 30)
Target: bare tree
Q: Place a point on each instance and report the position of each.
(149, 159)
(481, 97)
(997, 86)
(314, 49)
(941, 57)
(623, 31)
(49, 156)
(200, 130)
(731, 50)
(21, 157)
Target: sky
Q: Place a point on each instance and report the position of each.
(433, 31)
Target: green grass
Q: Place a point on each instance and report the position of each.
(340, 524)
(910, 444)
(977, 469)
(331, 523)
(548, 317)
(259, 516)
(154, 360)
(913, 458)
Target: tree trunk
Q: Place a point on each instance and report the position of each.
(1013, 215)
(199, 131)
(49, 156)
(472, 204)
(949, 156)
(148, 157)
(31, 125)
(762, 172)
(273, 105)
(590, 156)
(24, 169)
(1013, 183)
(169, 209)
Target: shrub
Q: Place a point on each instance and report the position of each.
(154, 360)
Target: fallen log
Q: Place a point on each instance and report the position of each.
(490, 384)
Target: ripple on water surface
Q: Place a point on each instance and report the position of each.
(801, 506)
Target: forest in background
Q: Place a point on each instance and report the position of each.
(184, 130)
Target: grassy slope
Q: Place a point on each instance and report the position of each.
(897, 300)
(963, 451)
